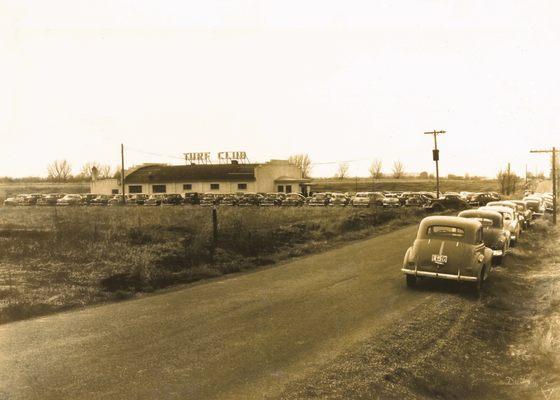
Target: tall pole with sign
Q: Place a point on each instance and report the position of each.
(435, 156)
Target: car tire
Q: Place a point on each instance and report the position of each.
(411, 280)
(479, 284)
(437, 207)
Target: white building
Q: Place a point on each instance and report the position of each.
(273, 176)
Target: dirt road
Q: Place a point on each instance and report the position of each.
(288, 331)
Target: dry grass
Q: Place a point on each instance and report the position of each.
(56, 258)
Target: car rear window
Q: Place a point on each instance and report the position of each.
(445, 231)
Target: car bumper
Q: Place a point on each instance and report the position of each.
(451, 277)
(497, 253)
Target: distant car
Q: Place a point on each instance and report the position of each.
(117, 200)
(229, 200)
(250, 199)
(417, 200)
(88, 198)
(101, 200)
(50, 199)
(536, 205)
(293, 199)
(479, 199)
(209, 199)
(138, 199)
(495, 235)
(518, 210)
(272, 199)
(319, 199)
(15, 200)
(527, 213)
(449, 201)
(391, 200)
(511, 222)
(31, 199)
(403, 197)
(339, 199)
(192, 198)
(448, 248)
(172, 199)
(154, 200)
(367, 199)
(70, 200)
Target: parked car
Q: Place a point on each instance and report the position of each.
(250, 199)
(15, 200)
(272, 199)
(449, 201)
(50, 199)
(319, 199)
(510, 222)
(517, 210)
(70, 200)
(479, 199)
(417, 200)
(367, 199)
(172, 199)
(293, 199)
(391, 200)
(117, 200)
(229, 200)
(154, 200)
(339, 199)
(192, 198)
(403, 197)
(101, 200)
(448, 248)
(524, 210)
(536, 205)
(209, 199)
(31, 199)
(495, 235)
(88, 198)
(138, 199)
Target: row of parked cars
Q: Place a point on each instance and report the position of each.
(464, 248)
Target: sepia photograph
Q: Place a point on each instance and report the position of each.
(279, 199)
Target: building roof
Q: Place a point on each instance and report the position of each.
(192, 173)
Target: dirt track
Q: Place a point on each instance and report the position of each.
(341, 324)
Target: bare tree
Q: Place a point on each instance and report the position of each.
(398, 170)
(342, 170)
(508, 181)
(303, 161)
(59, 170)
(375, 169)
(103, 170)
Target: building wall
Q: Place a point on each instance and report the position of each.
(201, 187)
(267, 173)
(104, 186)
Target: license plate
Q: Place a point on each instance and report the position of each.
(439, 258)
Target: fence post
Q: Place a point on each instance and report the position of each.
(214, 230)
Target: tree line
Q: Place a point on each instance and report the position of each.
(61, 171)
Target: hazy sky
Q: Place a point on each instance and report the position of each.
(339, 80)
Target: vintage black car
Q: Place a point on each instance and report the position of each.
(448, 248)
(138, 199)
(250, 199)
(319, 199)
(479, 199)
(50, 199)
(210, 199)
(101, 200)
(172, 199)
(495, 235)
(192, 198)
(447, 202)
(273, 199)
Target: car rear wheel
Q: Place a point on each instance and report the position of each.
(411, 280)
(480, 282)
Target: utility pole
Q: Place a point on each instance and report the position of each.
(554, 183)
(435, 156)
(122, 173)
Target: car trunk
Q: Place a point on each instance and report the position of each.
(455, 251)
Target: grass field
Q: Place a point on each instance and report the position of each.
(413, 185)
(53, 259)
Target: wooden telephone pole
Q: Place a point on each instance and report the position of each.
(553, 151)
(435, 154)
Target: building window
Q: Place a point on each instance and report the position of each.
(214, 186)
(159, 188)
(187, 186)
(280, 188)
(114, 191)
(241, 186)
(134, 188)
(288, 188)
